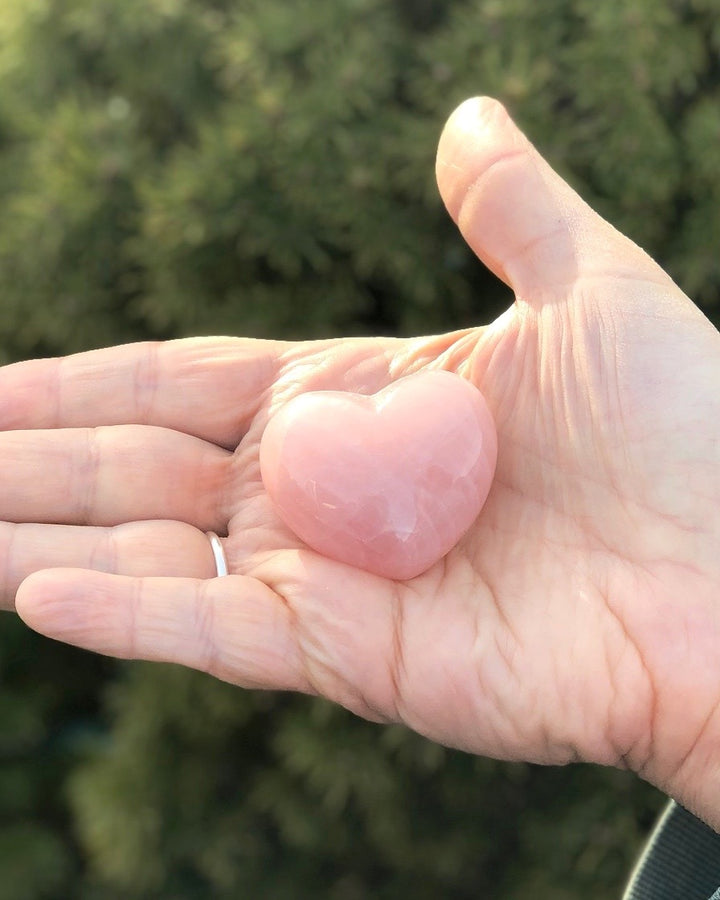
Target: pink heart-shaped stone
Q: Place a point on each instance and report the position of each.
(387, 483)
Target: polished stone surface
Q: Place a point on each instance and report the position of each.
(388, 483)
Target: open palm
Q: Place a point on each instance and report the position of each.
(579, 617)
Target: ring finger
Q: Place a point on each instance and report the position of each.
(158, 548)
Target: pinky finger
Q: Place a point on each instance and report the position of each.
(235, 628)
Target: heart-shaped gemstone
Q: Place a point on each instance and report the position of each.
(388, 483)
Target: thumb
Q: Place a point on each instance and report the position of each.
(519, 216)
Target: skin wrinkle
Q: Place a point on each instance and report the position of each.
(614, 491)
(220, 506)
(603, 363)
(563, 710)
(308, 684)
(459, 211)
(214, 472)
(615, 398)
(8, 577)
(424, 353)
(256, 538)
(255, 376)
(640, 765)
(623, 753)
(570, 518)
(134, 616)
(104, 556)
(396, 662)
(304, 681)
(145, 379)
(89, 472)
(352, 697)
(526, 249)
(113, 550)
(506, 655)
(417, 589)
(597, 372)
(492, 598)
(675, 775)
(55, 384)
(612, 665)
(330, 684)
(546, 501)
(576, 393)
(666, 519)
(253, 513)
(300, 372)
(212, 469)
(205, 628)
(646, 770)
(522, 343)
(559, 558)
(495, 601)
(553, 381)
(487, 370)
(576, 409)
(595, 281)
(291, 379)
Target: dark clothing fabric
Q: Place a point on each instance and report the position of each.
(681, 861)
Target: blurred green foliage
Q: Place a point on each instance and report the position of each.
(265, 167)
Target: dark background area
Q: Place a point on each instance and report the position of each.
(265, 168)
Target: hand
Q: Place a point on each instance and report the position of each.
(578, 619)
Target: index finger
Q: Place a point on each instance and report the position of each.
(208, 387)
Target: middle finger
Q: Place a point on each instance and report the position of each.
(113, 474)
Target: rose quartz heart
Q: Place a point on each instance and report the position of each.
(387, 483)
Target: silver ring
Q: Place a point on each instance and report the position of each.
(218, 553)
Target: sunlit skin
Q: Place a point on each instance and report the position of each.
(578, 618)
